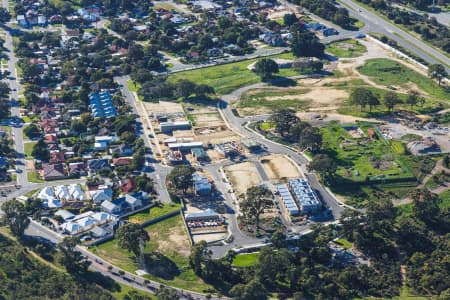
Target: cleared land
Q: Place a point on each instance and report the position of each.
(278, 167)
(346, 48)
(243, 176)
(166, 255)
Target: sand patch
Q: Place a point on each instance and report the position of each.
(278, 167)
(243, 176)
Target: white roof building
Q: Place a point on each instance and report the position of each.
(46, 194)
(77, 192)
(62, 193)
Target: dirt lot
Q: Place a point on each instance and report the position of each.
(243, 176)
(163, 107)
(278, 167)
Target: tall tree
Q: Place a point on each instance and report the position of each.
(425, 206)
(199, 254)
(415, 98)
(324, 165)
(256, 199)
(364, 97)
(391, 100)
(40, 151)
(305, 43)
(130, 236)
(438, 72)
(311, 138)
(15, 217)
(70, 258)
(180, 178)
(254, 290)
(265, 68)
(284, 119)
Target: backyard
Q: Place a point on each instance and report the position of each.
(166, 255)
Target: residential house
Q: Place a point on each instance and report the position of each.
(127, 185)
(101, 105)
(122, 161)
(101, 142)
(101, 195)
(122, 150)
(77, 169)
(53, 171)
(127, 203)
(56, 157)
(95, 165)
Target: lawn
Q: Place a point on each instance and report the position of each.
(344, 243)
(28, 148)
(391, 73)
(154, 212)
(132, 86)
(34, 177)
(228, 77)
(167, 255)
(346, 48)
(246, 259)
(362, 159)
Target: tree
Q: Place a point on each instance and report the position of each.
(135, 52)
(32, 131)
(78, 126)
(265, 68)
(438, 72)
(305, 43)
(130, 236)
(290, 19)
(256, 199)
(199, 253)
(184, 88)
(5, 16)
(254, 290)
(167, 293)
(364, 97)
(414, 98)
(278, 239)
(15, 217)
(324, 165)
(284, 119)
(71, 259)
(390, 100)
(40, 151)
(180, 177)
(425, 206)
(311, 138)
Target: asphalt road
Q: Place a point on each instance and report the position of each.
(156, 171)
(374, 23)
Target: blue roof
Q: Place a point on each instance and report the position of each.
(101, 105)
(201, 183)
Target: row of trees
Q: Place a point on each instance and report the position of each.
(365, 97)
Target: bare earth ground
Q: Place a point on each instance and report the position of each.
(278, 167)
(163, 107)
(324, 94)
(243, 176)
(178, 242)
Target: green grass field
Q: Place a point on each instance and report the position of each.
(125, 289)
(153, 212)
(28, 148)
(346, 48)
(34, 177)
(391, 73)
(168, 247)
(246, 259)
(344, 243)
(228, 77)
